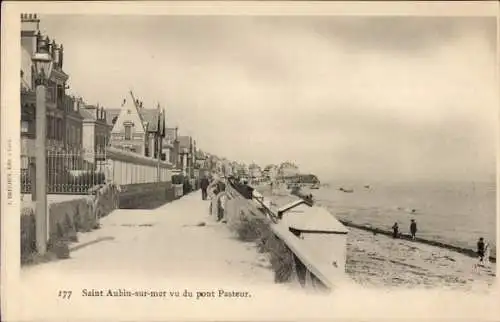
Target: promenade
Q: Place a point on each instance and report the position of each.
(179, 240)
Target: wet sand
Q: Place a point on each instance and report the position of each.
(381, 261)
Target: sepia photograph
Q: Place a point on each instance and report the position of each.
(177, 164)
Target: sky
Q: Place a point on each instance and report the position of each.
(371, 98)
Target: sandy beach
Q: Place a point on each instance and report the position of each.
(380, 261)
(375, 260)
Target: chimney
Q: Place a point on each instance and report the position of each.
(53, 48)
(30, 24)
(41, 43)
(57, 51)
(61, 55)
(48, 45)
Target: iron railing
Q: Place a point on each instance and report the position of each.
(67, 171)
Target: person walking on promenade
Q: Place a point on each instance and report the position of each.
(395, 230)
(480, 250)
(413, 228)
(204, 186)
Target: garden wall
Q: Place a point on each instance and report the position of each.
(67, 218)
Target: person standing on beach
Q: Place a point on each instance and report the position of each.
(480, 250)
(413, 229)
(395, 230)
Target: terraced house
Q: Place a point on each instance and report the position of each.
(64, 122)
(136, 128)
(62, 115)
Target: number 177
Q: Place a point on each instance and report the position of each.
(65, 294)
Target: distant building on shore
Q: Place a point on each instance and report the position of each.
(288, 169)
(255, 171)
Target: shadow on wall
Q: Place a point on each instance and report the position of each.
(153, 195)
(66, 219)
(147, 195)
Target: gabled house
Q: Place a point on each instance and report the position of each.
(137, 129)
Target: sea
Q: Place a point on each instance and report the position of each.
(455, 213)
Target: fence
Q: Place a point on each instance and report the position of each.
(124, 168)
(68, 171)
(76, 172)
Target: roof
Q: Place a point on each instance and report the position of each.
(170, 134)
(150, 116)
(184, 142)
(87, 115)
(200, 155)
(111, 113)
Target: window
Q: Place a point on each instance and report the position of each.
(51, 92)
(128, 132)
(78, 136)
(49, 127)
(60, 129)
(25, 126)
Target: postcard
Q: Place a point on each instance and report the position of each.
(230, 161)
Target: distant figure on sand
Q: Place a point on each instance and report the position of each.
(480, 250)
(395, 230)
(413, 228)
(487, 253)
(204, 186)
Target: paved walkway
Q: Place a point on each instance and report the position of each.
(178, 240)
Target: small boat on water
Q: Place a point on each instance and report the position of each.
(346, 190)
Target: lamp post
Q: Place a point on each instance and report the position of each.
(43, 67)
